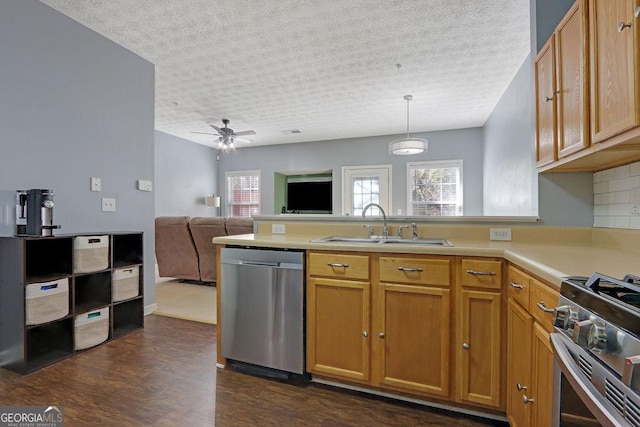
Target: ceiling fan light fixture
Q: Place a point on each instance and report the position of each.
(408, 146)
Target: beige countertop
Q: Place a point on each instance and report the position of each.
(548, 261)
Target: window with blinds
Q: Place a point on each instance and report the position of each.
(434, 188)
(243, 193)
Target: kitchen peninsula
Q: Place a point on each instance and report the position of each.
(431, 322)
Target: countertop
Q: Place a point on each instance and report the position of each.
(551, 262)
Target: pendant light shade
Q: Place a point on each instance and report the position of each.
(408, 146)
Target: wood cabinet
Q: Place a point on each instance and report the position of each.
(338, 315)
(42, 296)
(529, 354)
(479, 342)
(385, 323)
(608, 107)
(615, 92)
(561, 72)
(412, 325)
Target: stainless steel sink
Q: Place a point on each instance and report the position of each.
(381, 240)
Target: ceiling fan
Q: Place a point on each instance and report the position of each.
(227, 137)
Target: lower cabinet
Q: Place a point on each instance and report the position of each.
(479, 367)
(529, 354)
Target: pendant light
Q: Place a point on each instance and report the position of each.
(408, 146)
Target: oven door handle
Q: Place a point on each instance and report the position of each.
(592, 399)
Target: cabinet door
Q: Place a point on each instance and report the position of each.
(338, 328)
(542, 378)
(615, 96)
(571, 65)
(546, 128)
(519, 324)
(412, 338)
(479, 351)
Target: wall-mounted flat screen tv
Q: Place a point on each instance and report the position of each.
(310, 196)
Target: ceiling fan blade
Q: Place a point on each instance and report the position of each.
(245, 132)
(243, 140)
(204, 133)
(217, 129)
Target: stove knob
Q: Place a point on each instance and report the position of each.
(564, 317)
(581, 331)
(597, 340)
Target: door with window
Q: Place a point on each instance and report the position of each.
(362, 185)
(243, 193)
(434, 188)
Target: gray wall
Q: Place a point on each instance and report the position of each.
(546, 14)
(465, 144)
(76, 105)
(185, 173)
(510, 180)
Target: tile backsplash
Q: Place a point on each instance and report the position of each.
(616, 197)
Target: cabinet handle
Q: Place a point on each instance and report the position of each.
(526, 400)
(481, 273)
(365, 334)
(637, 12)
(515, 285)
(465, 346)
(381, 334)
(553, 95)
(544, 308)
(409, 269)
(337, 264)
(622, 26)
(521, 387)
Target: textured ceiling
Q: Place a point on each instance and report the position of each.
(324, 67)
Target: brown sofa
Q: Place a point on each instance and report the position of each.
(183, 245)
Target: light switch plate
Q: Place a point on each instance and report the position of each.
(145, 185)
(96, 184)
(108, 205)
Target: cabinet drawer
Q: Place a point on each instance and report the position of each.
(542, 301)
(518, 285)
(418, 271)
(339, 265)
(479, 273)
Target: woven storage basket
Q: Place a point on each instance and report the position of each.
(125, 283)
(91, 328)
(47, 301)
(90, 253)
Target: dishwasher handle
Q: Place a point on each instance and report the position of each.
(260, 263)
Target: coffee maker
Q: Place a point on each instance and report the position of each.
(39, 212)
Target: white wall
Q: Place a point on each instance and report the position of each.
(75, 105)
(185, 173)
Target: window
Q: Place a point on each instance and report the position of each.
(243, 193)
(363, 185)
(434, 188)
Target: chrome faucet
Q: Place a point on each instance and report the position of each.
(414, 229)
(385, 230)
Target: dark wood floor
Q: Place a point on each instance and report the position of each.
(165, 375)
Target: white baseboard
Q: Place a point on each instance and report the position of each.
(148, 309)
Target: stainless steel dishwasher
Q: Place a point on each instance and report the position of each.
(262, 307)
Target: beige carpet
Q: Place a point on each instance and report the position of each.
(186, 301)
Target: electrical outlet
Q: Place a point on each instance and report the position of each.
(277, 228)
(500, 234)
(108, 205)
(96, 184)
(635, 201)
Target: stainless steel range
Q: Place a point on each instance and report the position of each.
(597, 350)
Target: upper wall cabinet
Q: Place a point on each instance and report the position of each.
(596, 95)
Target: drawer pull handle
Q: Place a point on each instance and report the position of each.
(526, 399)
(337, 265)
(521, 387)
(544, 308)
(515, 285)
(481, 273)
(409, 269)
(365, 334)
(465, 346)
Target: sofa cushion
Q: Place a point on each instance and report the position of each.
(203, 229)
(175, 250)
(239, 225)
